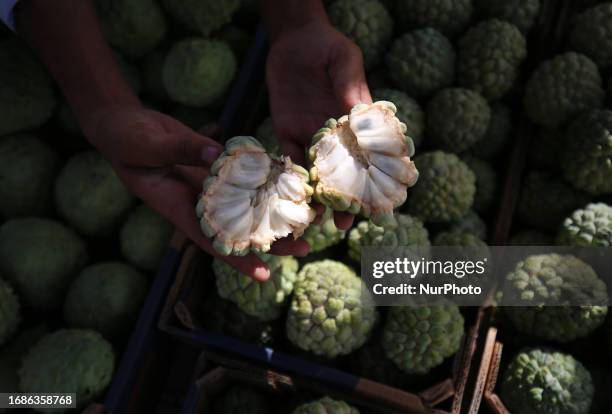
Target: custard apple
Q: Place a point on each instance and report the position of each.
(144, 238)
(530, 238)
(588, 152)
(588, 226)
(266, 135)
(521, 13)
(326, 405)
(544, 287)
(367, 23)
(419, 338)
(198, 72)
(90, 196)
(69, 360)
(486, 183)
(107, 298)
(459, 239)
(544, 381)
(408, 111)
(591, 35)
(202, 16)
(26, 191)
(470, 223)
(325, 234)
(498, 133)
(10, 312)
(456, 119)
(241, 399)
(266, 301)
(488, 58)
(403, 230)
(421, 62)
(40, 257)
(252, 199)
(331, 312)
(446, 188)
(561, 88)
(361, 162)
(448, 16)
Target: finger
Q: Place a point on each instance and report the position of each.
(348, 78)
(319, 210)
(290, 247)
(189, 148)
(195, 176)
(343, 221)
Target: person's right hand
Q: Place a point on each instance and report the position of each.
(165, 163)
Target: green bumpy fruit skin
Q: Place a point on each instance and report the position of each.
(446, 188)
(521, 13)
(455, 238)
(40, 257)
(329, 314)
(202, 16)
(408, 111)
(448, 16)
(134, 27)
(26, 191)
(457, 118)
(561, 88)
(589, 226)
(489, 56)
(10, 312)
(265, 301)
(197, 72)
(367, 23)
(144, 238)
(591, 35)
(326, 405)
(421, 62)
(588, 152)
(69, 360)
(241, 399)
(498, 133)
(486, 183)
(325, 234)
(546, 200)
(89, 195)
(419, 338)
(542, 381)
(470, 223)
(106, 297)
(547, 286)
(404, 230)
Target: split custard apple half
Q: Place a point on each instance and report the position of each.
(252, 199)
(361, 162)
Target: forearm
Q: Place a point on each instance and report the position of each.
(66, 35)
(283, 16)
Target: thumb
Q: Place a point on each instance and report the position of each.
(348, 78)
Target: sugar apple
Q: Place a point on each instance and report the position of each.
(367, 23)
(265, 301)
(10, 312)
(198, 72)
(498, 133)
(252, 199)
(546, 200)
(591, 35)
(144, 238)
(107, 298)
(419, 338)
(561, 88)
(486, 183)
(488, 57)
(241, 399)
(588, 226)
(26, 191)
(26, 94)
(151, 72)
(448, 16)
(361, 162)
(331, 312)
(325, 234)
(456, 119)
(69, 360)
(521, 13)
(544, 287)
(403, 230)
(446, 188)
(40, 257)
(460, 239)
(202, 16)
(408, 111)
(527, 237)
(421, 62)
(326, 405)
(543, 381)
(133, 27)
(588, 152)
(266, 135)
(470, 223)
(89, 195)
(546, 149)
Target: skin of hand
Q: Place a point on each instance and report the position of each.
(313, 73)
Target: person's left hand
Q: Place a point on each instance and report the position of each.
(313, 73)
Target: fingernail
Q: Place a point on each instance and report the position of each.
(210, 154)
(262, 274)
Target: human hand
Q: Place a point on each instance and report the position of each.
(313, 73)
(165, 163)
